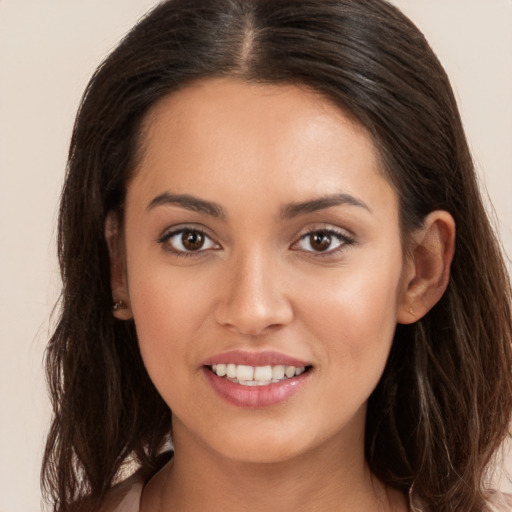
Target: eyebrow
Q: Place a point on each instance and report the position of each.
(188, 202)
(289, 211)
(321, 203)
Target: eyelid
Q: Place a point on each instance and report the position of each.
(347, 239)
(172, 231)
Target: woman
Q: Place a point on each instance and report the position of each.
(271, 227)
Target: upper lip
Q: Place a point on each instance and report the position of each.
(255, 359)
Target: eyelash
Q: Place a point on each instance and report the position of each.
(164, 239)
(344, 242)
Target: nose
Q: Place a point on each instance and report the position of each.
(253, 299)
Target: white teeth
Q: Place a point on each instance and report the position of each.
(263, 373)
(256, 375)
(231, 371)
(290, 371)
(278, 371)
(256, 382)
(244, 372)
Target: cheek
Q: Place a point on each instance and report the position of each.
(169, 311)
(355, 313)
(165, 304)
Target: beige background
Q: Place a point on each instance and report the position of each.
(48, 50)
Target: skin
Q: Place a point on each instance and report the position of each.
(259, 284)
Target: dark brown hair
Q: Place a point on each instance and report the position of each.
(444, 402)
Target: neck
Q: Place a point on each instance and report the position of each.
(326, 478)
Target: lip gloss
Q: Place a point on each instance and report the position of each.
(255, 396)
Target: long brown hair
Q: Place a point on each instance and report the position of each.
(443, 405)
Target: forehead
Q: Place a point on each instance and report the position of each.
(221, 134)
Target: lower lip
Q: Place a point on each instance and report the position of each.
(256, 396)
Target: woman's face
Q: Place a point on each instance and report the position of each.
(261, 240)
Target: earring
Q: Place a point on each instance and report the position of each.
(118, 304)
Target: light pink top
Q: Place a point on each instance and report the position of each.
(498, 502)
(131, 502)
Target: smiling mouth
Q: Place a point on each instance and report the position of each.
(257, 375)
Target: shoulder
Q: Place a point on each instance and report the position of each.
(125, 496)
(499, 502)
(495, 502)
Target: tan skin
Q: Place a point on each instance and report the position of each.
(325, 282)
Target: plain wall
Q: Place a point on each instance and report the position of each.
(48, 51)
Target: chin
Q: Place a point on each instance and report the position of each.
(262, 453)
(275, 444)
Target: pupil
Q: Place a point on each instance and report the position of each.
(320, 241)
(192, 240)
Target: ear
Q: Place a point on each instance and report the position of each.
(118, 283)
(427, 269)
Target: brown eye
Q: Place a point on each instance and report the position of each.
(192, 240)
(320, 241)
(187, 241)
(326, 241)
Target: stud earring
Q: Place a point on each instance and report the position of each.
(118, 304)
